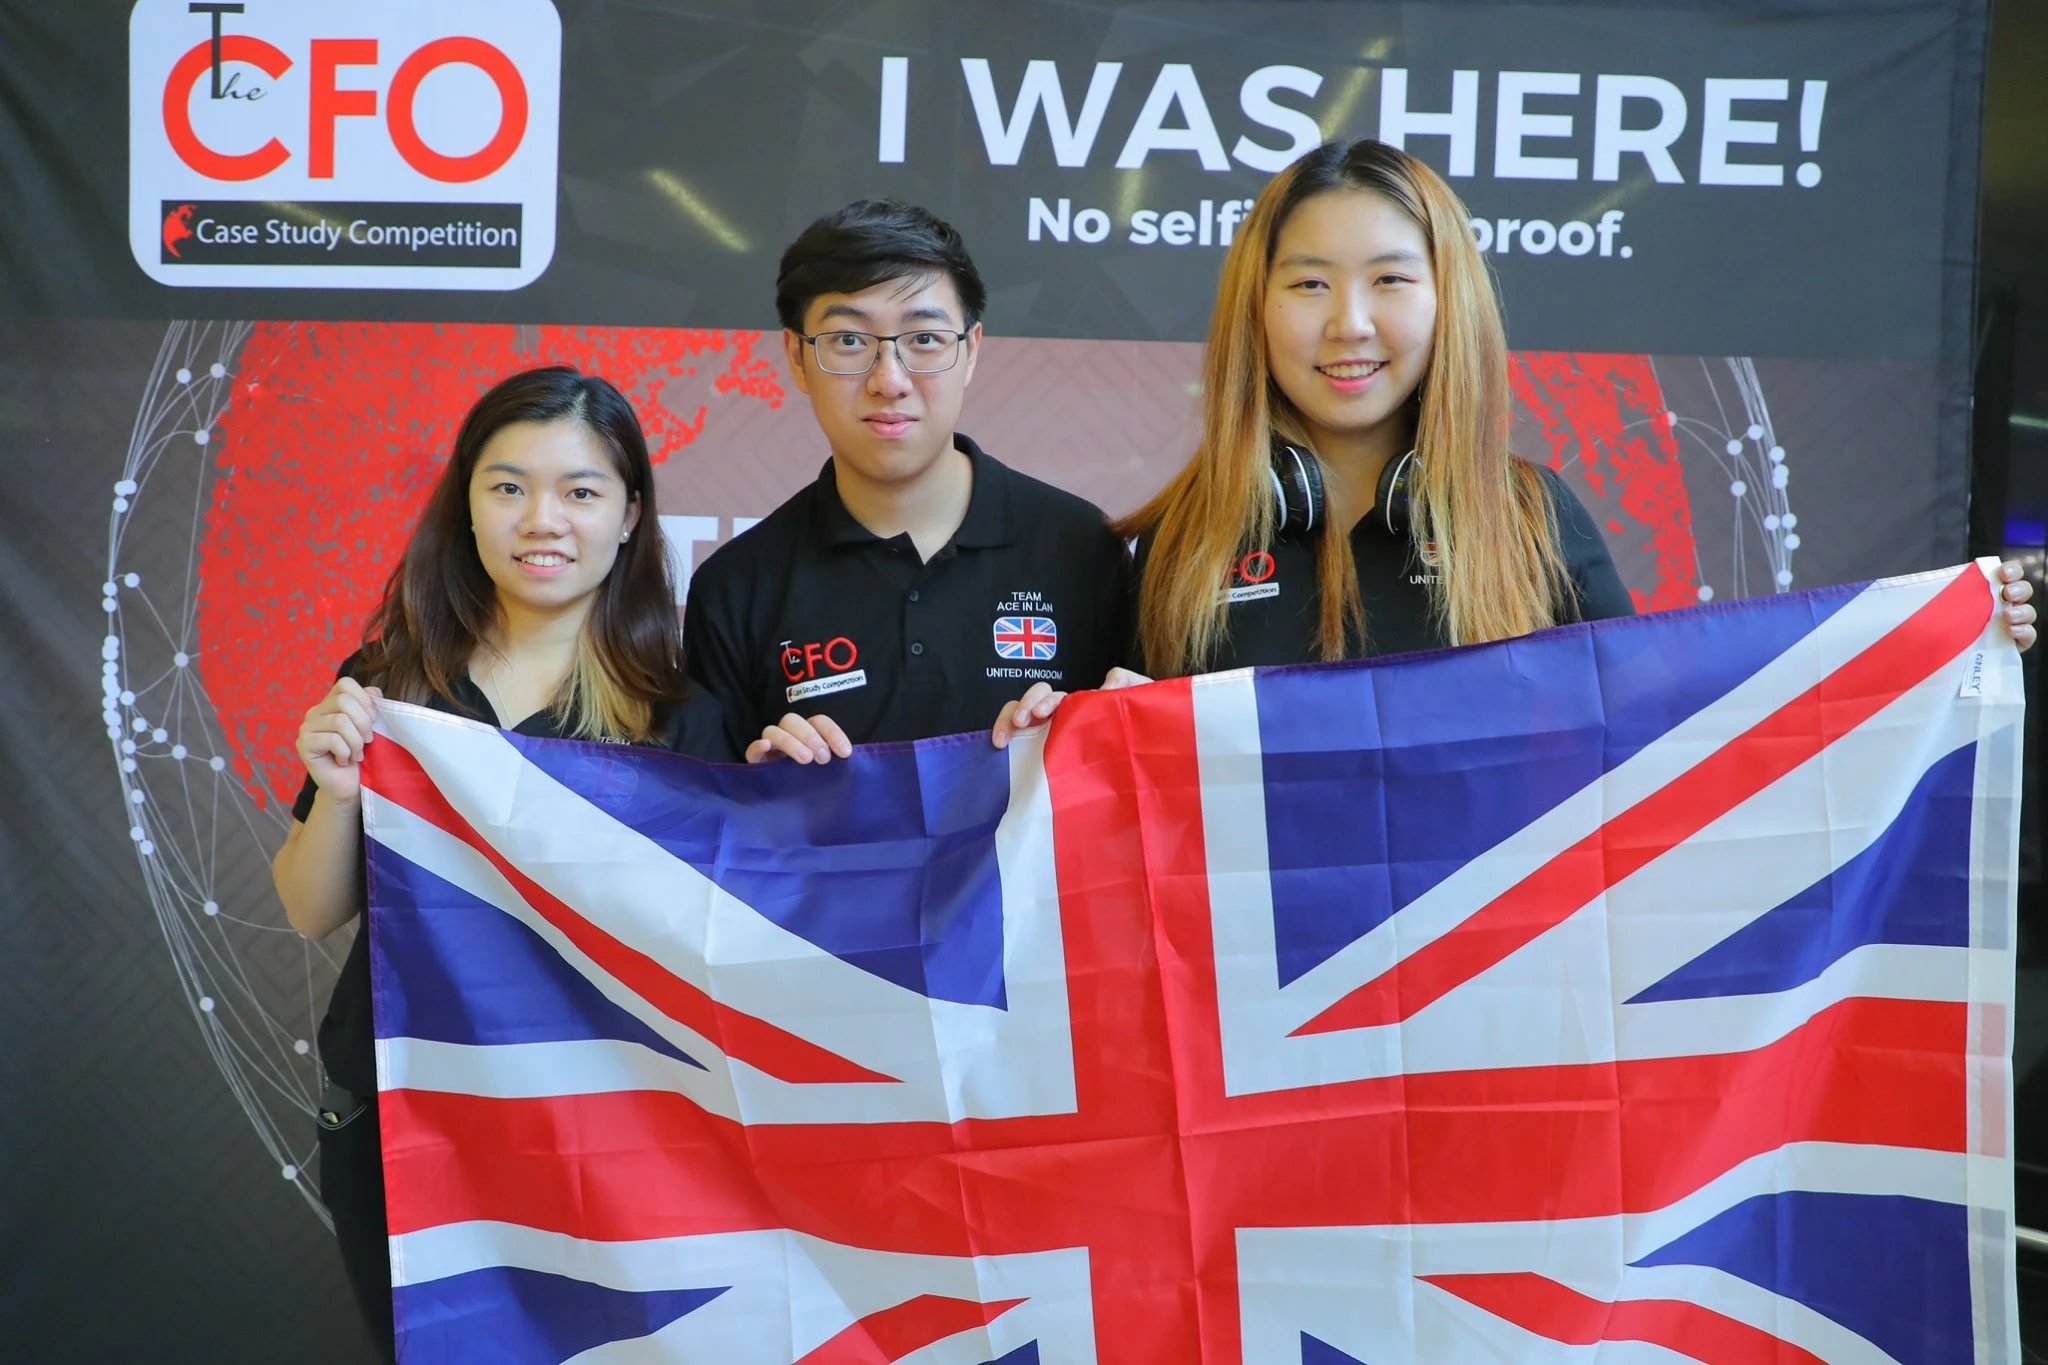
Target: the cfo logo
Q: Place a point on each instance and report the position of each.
(836, 655)
(380, 144)
(820, 667)
(1251, 578)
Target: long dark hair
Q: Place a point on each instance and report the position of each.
(440, 605)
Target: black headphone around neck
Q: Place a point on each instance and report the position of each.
(1298, 491)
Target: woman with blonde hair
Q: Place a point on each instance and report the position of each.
(1353, 493)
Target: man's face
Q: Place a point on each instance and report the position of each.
(890, 424)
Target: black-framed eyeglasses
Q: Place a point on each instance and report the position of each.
(929, 350)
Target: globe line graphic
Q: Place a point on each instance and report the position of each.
(255, 988)
(1744, 447)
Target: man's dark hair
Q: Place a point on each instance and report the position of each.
(870, 242)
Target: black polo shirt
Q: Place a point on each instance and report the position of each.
(1274, 612)
(809, 611)
(348, 1039)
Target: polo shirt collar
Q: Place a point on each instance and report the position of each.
(835, 523)
(986, 524)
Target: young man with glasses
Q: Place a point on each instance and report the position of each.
(917, 586)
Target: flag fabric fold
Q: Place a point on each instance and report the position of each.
(1632, 990)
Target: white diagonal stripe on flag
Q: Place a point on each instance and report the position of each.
(1627, 949)
(815, 1288)
(1379, 1267)
(952, 1060)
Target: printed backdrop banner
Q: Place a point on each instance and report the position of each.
(256, 259)
(1645, 981)
(1793, 179)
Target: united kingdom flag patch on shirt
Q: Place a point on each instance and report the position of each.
(1026, 637)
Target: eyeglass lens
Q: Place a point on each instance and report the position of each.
(919, 352)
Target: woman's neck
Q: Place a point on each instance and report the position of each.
(1353, 461)
(537, 632)
(522, 664)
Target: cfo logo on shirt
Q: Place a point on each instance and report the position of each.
(820, 668)
(1251, 578)
(1430, 560)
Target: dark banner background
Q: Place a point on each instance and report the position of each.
(208, 485)
(697, 139)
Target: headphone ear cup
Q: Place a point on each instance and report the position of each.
(1311, 473)
(1298, 487)
(1390, 514)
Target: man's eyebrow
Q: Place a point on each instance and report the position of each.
(924, 312)
(844, 310)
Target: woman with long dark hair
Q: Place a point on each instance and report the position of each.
(535, 595)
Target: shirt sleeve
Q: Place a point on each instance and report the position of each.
(713, 656)
(1598, 591)
(696, 727)
(1116, 605)
(1131, 652)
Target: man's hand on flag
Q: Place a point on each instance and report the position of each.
(1038, 703)
(815, 740)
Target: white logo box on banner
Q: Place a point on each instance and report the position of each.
(382, 144)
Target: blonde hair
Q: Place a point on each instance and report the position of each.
(595, 703)
(1482, 512)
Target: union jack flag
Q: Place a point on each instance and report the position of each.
(1633, 991)
(1026, 637)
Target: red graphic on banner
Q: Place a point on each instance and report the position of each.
(1606, 414)
(177, 227)
(335, 434)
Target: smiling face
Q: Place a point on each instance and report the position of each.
(1350, 319)
(889, 425)
(549, 511)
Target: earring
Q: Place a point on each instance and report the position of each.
(625, 536)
